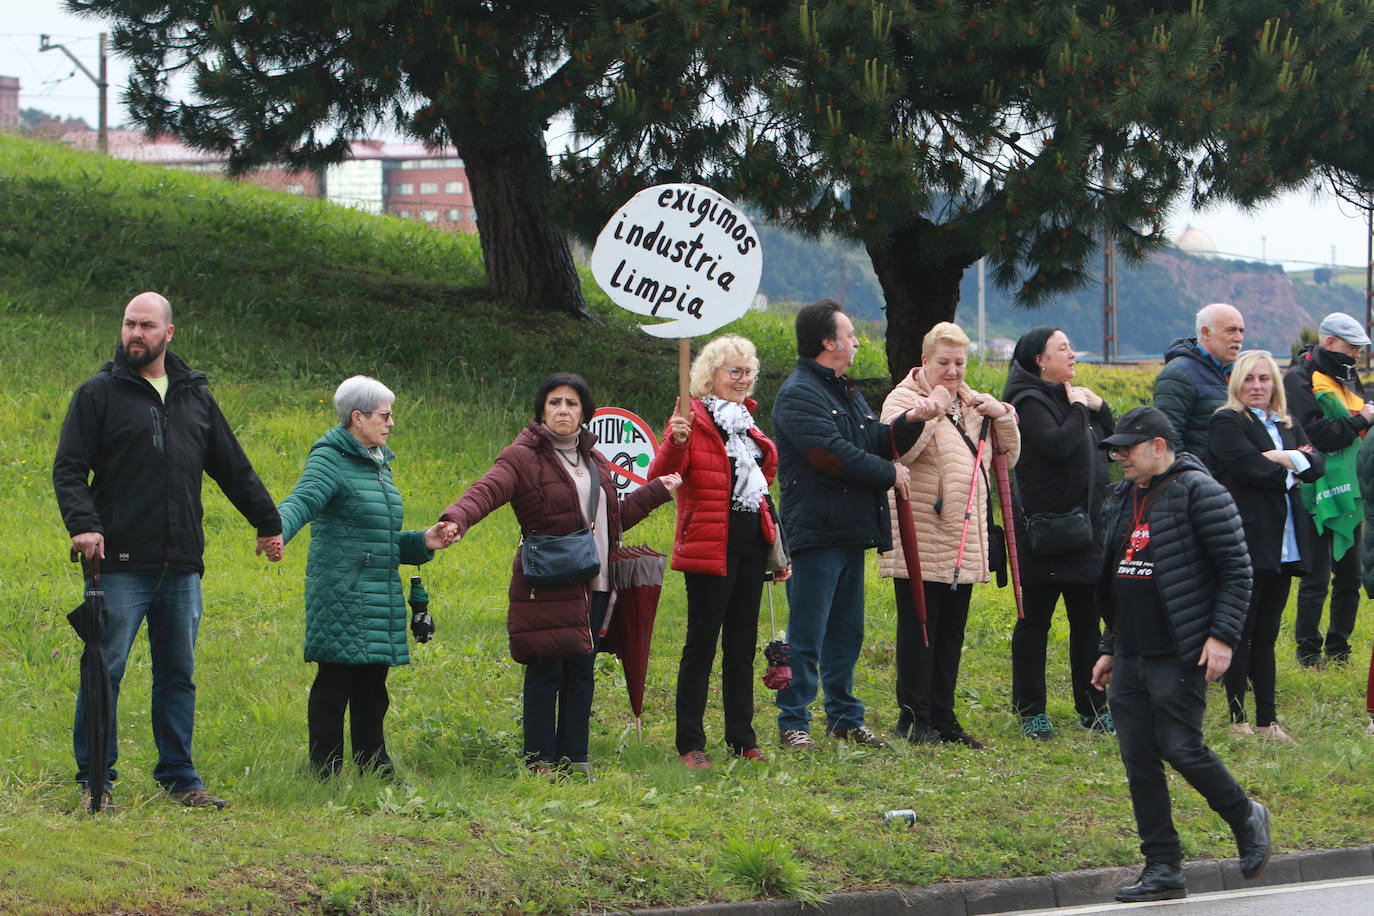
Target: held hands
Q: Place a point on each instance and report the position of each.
(671, 481)
(680, 428)
(441, 535)
(92, 544)
(271, 547)
(1367, 411)
(928, 408)
(1216, 658)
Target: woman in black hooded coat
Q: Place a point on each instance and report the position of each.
(1060, 469)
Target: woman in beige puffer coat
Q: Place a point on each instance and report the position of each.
(942, 468)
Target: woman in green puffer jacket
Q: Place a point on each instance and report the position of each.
(355, 610)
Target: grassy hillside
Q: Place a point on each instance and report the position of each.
(278, 299)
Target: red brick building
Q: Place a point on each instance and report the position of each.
(405, 180)
(9, 103)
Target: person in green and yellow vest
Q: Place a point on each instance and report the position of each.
(1326, 398)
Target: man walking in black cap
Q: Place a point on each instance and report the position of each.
(1175, 584)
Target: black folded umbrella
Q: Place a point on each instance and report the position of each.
(88, 620)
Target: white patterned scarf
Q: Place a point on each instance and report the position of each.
(735, 421)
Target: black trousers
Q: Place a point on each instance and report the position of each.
(1030, 637)
(926, 675)
(1253, 659)
(558, 701)
(361, 689)
(724, 608)
(1343, 577)
(1157, 702)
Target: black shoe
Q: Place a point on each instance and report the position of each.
(1159, 881)
(1339, 660)
(962, 737)
(1312, 661)
(1253, 843)
(861, 734)
(919, 734)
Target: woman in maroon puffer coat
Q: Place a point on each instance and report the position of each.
(723, 532)
(546, 476)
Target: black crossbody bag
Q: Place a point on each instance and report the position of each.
(1053, 533)
(556, 560)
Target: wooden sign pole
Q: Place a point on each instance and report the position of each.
(684, 372)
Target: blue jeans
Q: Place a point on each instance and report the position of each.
(825, 628)
(170, 601)
(558, 701)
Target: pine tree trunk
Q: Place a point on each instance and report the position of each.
(527, 258)
(921, 290)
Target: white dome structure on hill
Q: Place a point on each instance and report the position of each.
(1196, 242)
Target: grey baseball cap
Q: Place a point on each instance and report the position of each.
(1339, 324)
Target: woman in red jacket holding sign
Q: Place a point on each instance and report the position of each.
(724, 529)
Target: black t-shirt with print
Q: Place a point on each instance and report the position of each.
(1142, 624)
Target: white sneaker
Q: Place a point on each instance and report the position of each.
(1370, 729)
(1274, 733)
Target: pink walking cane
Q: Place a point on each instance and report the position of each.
(972, 491)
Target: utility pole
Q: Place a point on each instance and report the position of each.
(1368, 271)
(101, 83)
(1108, 277)
(982, 314)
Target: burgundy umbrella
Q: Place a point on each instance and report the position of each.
(999, 466)
(628, 629)
(906, 529)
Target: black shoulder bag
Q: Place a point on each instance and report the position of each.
(556, 560)
(1065, 532)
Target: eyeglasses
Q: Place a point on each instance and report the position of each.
(384, 415)
(737, 373)
(1117, 452)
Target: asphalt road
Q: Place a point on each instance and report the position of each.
(1346, 897)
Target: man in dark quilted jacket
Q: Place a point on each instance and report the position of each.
(1176, 584)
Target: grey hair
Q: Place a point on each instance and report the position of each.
(361, 393)
(1207, 315)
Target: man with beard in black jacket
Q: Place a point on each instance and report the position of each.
(136, 441)
(1326, 399)
(1176, 585)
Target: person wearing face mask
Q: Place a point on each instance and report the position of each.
(1061, 470)
(942, 466)
(1326, 398)
(557, 483)
(1192, 383)
(723, 532)
(1259, 454)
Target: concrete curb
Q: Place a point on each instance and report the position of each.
(1073, 888)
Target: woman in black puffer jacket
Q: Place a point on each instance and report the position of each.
(1060, 469)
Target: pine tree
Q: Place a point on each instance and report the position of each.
(294, 81)
(941, 131)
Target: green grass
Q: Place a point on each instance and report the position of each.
(279, 299)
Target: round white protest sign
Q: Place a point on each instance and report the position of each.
(628, 443)
(679, 252)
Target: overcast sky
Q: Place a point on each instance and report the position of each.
(1300, 230)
